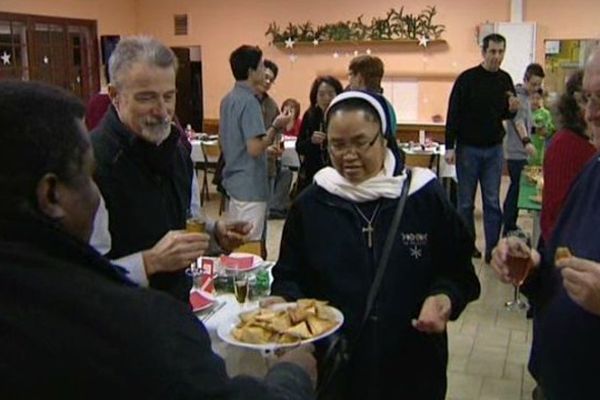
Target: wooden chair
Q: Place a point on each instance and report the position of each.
(254, 247)
(419, 160)
(422, 160)
(210, 153)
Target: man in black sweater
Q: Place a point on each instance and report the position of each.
(146, 176)
(72, 325)
(482, 97)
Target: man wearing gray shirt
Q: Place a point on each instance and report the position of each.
(517, 143)
(244, 140)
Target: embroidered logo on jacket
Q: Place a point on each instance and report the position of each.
(415, 242)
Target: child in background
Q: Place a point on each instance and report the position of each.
(293, 127)
(543, 126)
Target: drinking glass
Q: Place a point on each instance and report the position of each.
(519, 265)
(195, 225)
(240, 287)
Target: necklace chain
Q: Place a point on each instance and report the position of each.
(363, 216)
(369, 228)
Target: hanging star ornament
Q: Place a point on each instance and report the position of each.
(289, 43)
(336, 55)
(5, 58)
(368, 51)
(423, 41)
(46, 60)
(293, 58)
(316, 42)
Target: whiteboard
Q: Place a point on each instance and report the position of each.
(520, 47)
(404, 96)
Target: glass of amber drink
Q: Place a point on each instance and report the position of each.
(519, 264)
(240, 287)
(195, 225)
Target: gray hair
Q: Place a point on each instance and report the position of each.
(135, 49)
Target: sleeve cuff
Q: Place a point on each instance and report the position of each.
(134, 265)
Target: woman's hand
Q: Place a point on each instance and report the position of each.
(434, 315)
(318, 137)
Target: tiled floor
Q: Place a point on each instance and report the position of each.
(489, 346)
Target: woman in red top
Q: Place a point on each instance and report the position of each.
(293, 127)
(568, 152)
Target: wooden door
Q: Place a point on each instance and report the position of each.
(59, 51)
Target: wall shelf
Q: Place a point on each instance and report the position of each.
(362, 43)
(441, 76)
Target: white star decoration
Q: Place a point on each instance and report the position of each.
(5, 58)
(415, 252)
(316, 42)
(289, 43)
(355, 53)
(46, 60)
(293, 58)
(423, 41)
(368, 51)
(336, 55)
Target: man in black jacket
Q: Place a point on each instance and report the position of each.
(72, 325)
(482, 97)
(146, 176)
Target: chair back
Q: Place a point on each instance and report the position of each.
(419, 160)
(211, 152)
(253, 247)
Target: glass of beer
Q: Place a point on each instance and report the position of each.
(195, 225)
(240, 287)
(519, 265)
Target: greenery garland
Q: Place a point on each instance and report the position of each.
(395, 25)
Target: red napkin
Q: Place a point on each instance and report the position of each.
(206, 283)
(237, 262)
(199, 302)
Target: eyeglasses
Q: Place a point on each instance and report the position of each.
(587, 99)
(359, 148)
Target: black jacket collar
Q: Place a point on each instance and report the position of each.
(22, 231)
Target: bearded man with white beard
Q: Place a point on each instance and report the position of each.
(146, 176)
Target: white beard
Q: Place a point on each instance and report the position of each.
(156, 132)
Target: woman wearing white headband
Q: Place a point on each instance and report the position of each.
(333, 242)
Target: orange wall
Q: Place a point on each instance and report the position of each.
(557, 19)
(220, 26)
(114, 16)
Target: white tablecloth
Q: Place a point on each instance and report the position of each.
(445, 170)
(289, 158)
(197, 155)
(237, 360)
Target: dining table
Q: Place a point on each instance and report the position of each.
(530, 201)
(238, 360)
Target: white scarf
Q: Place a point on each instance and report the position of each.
(384, 184)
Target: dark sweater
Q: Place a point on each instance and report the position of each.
(73, 327)
(314, 156)
(324, 255)
(147, 190)
(478, 104)
(567, 341)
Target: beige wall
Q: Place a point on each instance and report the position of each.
(220, 26)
